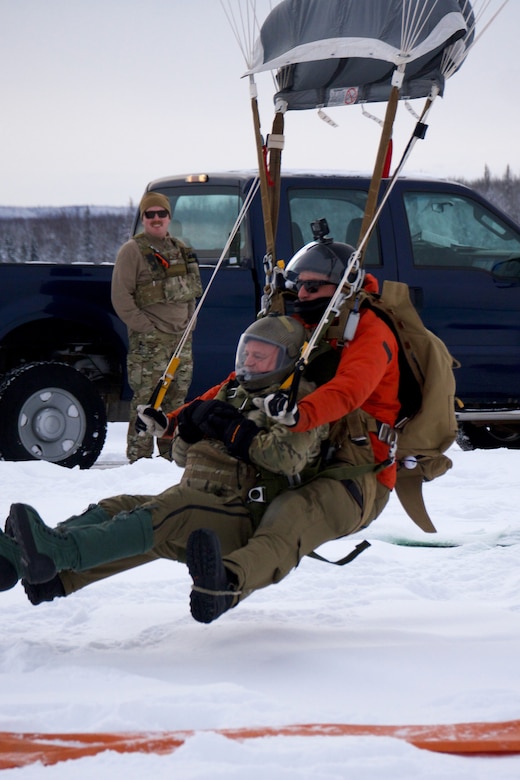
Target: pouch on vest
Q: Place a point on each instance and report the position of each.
(179, 282)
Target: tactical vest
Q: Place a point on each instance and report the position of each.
(175, 274)
(209, 467)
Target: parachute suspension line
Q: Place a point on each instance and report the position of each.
(477, 14)
(245, 29)
(168, 375)
(452, 58)
(413, 20)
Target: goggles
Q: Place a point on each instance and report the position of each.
(311, 285)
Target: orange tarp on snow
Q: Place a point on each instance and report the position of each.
(21, 749)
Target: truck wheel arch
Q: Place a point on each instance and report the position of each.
(488, 437)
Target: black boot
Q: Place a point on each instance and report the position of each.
(44, 591)
(213, 591)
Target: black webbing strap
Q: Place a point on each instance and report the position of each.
(347, 559)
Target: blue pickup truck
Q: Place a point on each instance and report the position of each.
(62, 349)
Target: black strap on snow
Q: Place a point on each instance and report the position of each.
(347, 559)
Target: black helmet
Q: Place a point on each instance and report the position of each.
(326, 257)
(284, 333)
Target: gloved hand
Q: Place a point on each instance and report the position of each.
(150, 421)
(188, 429)
(219, 420)
(213, 417)
(276, 406)
(238, 437)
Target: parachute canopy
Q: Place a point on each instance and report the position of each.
(340, 52)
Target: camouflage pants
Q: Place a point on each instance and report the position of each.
(175, 512)
(295, 523)
(148, 356)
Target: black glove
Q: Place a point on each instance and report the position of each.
(238, 437)
(187, 427)
(219, 420)
(213, 417)
(151, 422)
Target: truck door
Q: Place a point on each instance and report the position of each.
(462, 259)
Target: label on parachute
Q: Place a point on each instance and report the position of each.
(343, 96)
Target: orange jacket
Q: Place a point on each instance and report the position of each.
(368, 378)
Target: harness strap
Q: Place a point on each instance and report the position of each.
(347, 559)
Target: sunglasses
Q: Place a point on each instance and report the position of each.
(311, 285)
(162, 213)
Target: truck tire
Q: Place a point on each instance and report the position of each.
(49, 411)
(488, 437)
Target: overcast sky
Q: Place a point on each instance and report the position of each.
(99, 97)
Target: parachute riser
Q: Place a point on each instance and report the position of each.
(384, 142)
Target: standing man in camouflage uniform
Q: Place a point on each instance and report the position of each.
(155, 284)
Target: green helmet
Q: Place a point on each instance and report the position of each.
(268, 350)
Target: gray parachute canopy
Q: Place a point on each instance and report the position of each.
(340, 52)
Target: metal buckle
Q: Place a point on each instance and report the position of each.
(389, 435)
(257, 495)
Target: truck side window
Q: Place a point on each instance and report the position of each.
(453, 232)
(343, 209)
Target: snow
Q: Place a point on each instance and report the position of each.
(402, 635)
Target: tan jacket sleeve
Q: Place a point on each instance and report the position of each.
(126, 274)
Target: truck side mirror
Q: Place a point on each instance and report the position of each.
(507, 272)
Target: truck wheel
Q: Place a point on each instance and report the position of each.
(490, 437)
(49, 411)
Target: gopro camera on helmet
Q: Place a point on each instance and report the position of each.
(320, 229)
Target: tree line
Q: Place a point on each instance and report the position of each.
(85, 234)
(73, 234)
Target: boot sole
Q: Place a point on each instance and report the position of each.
(203, 557)
(36, 567)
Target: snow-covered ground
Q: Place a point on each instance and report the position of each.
(403, 635)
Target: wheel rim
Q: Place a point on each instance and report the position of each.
(51, 424)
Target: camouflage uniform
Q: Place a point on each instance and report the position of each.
(154, 287)
(148, 356)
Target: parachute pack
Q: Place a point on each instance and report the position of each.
(426, 425)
